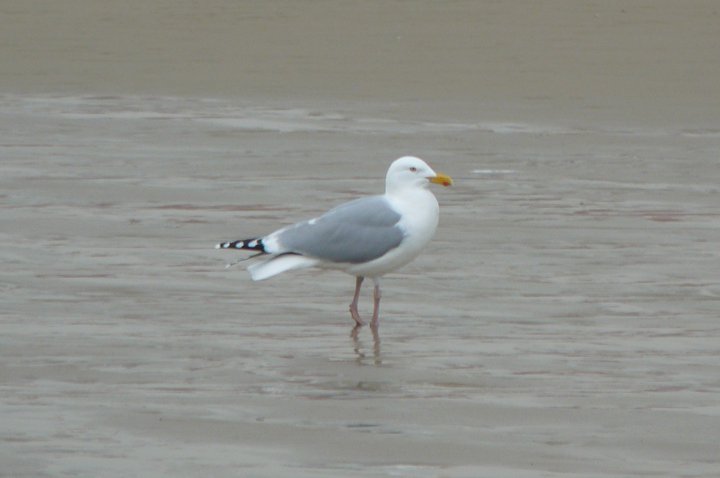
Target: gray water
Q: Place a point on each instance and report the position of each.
(563, 322)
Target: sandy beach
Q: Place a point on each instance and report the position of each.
(563, 322)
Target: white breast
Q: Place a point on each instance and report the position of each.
(420, 211)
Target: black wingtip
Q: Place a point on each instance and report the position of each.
(245, 244)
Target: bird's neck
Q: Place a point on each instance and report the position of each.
(405, 190)
(412, 197)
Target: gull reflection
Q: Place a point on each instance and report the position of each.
(361, 350)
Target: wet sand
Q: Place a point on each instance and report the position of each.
(564, 321)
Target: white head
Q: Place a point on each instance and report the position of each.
(412, 172)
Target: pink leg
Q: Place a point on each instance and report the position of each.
(376, 304)
(354, 304)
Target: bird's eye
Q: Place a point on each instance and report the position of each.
(413, 169)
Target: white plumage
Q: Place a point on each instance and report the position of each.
(368, 237)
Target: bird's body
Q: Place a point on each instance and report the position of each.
(417, 228)
(367, 237)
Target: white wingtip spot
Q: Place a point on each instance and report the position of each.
(225, 245)
(238, 245)
(252, 243)
(217, 246)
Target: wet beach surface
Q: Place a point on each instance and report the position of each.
(563, 322)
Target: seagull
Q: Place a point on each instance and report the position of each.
(367, 237)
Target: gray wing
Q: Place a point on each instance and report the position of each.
(354, 232)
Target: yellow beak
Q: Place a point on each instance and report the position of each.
(441, 178)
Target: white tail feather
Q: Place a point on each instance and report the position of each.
(275, 265)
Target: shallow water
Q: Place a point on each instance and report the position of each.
(563, 322)
(564, 319)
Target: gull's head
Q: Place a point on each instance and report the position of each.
(410, 171)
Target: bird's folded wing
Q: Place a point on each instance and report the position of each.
(355, 232)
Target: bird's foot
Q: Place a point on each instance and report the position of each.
(356, 316)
